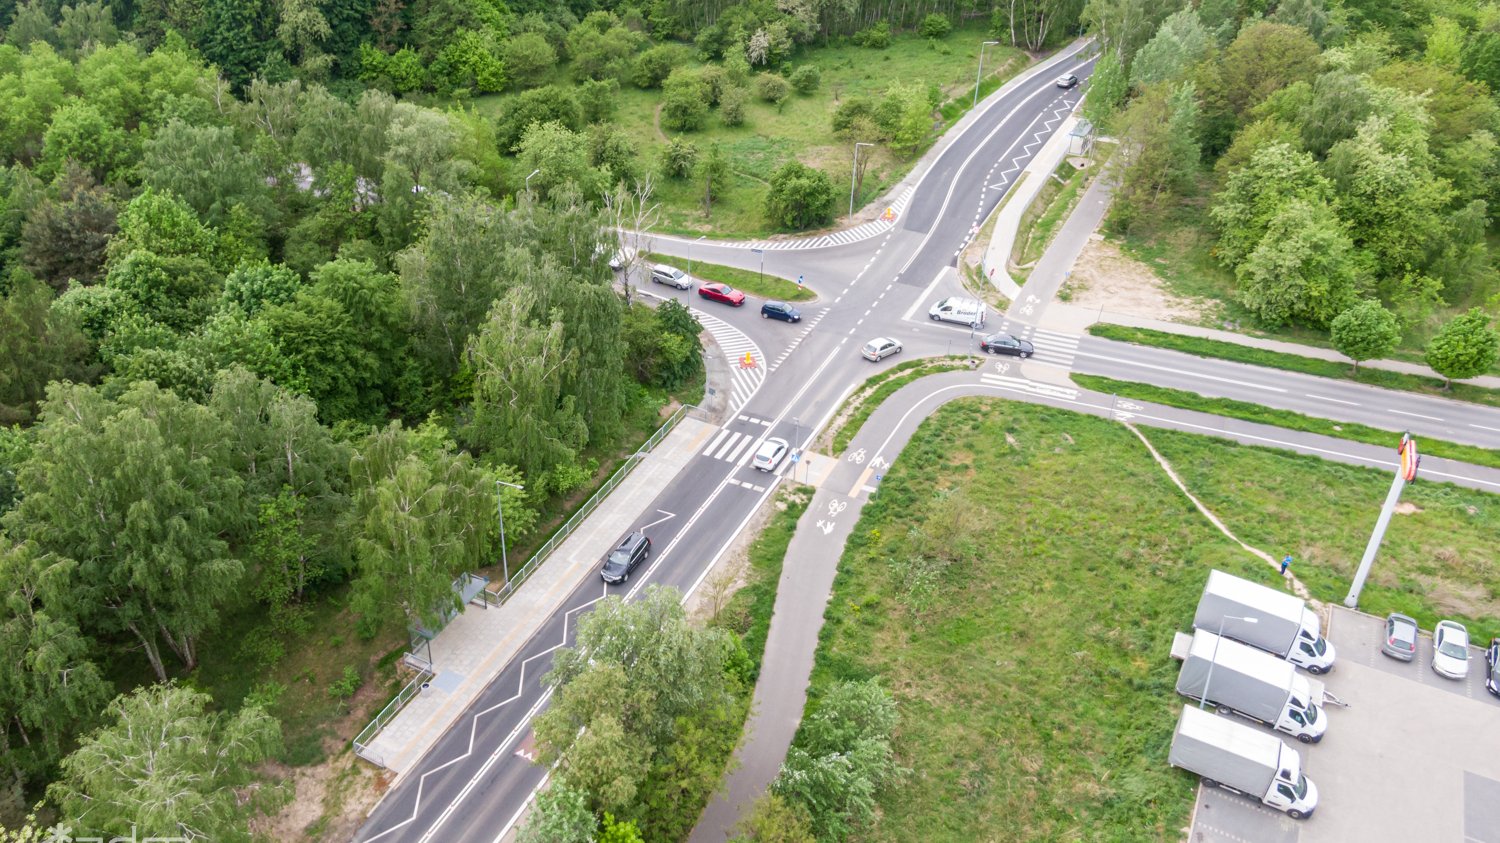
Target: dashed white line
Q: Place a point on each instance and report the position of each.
(1414, 415)
(1334, 400)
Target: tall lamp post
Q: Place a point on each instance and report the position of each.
(853, 172)
(1209, 681)
(528, 180)
(796, 454)
(500, 510)
(978, 74)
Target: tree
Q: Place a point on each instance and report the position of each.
(654, 65)
(601, 46)
(1124, 26)
(597, 99)
(176, 292)
(800, 197)
(322, 346)
(64, 239)
(1445, 43)
(1158, 130)
(165, 765)
(842, 758)
(732, 104)
(1340, 101)
(234, 36)
(451, 277)
(38, 345)
(421, 147)
(775, 819)
(1303, 269)
(1366, 331)
(562, 157)
(303, 30)
(80, 133)
(132, 499)
(684, 105)
(1028, 23)
(1264, 58)
(1276, 174)
(561, 815)
(160, 223)
(712, 172)
(1107, 89)
(905, 118)
(551, 104)
(935, 26)
(678, 159)
(619, 831)
(1181, 42)
(1311, 15)
(528, 57)
(470, 61)
(1466, 346)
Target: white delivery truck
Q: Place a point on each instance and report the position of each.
(1245, 681)
(964, 311)
(1244, 760)
(1265, 618)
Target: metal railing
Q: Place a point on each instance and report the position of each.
(499, 596)
(496, 598)
(386, 715)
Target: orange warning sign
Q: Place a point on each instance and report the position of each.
(748, 361)
(889, 215)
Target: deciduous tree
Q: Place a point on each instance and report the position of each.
(1366, 331)
(1466, 346)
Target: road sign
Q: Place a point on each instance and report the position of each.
(796, 457)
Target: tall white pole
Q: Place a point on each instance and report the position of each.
(1405, 470)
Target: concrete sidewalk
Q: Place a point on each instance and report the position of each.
(1028, 184)
(472, 650)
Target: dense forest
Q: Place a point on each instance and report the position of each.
(1346, 155)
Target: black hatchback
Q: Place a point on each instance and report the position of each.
(632, 551)
(780, 310)
(1006, 344)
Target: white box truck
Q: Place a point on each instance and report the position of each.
(1265, 618)
(1242, 680)
(964, 311)
(1241, 759)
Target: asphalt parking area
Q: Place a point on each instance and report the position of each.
(1414, 757)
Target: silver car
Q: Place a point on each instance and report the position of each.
(771, 453)
(880, 348)
(1450, 649)
(1400, 637)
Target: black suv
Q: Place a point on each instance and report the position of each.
(780, 310)
(632, 550)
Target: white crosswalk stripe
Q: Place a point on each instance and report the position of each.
(1024, 385)
(863, 231)
(1053, 347)
(744, 381)
(730, 445)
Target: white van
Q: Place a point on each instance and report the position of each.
(964, 311)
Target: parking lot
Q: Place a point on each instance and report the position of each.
(1415, 757)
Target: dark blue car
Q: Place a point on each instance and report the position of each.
(780, 310)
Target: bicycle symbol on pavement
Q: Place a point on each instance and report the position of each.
(858, 457)
(836, 507)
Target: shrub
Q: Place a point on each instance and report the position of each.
(653, 66)
(732, 105)
(772, 88)
(806, 79)
(597, 99)
(528, 58)
(935, 26)
(877, 37)
(715, 80)
(684, 101)
(852, 111)
(344, 687)
(678, 159)
(800, 197)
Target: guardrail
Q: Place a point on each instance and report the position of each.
(386, 715)
(499, 596)
(496, 598)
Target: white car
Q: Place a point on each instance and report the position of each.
(621, 259)
(771, 453)
(880, 348)
(1450, 650)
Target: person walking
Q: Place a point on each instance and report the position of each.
(799, 280)
(1286, 562)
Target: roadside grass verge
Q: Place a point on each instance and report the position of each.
(1246, 411)
(748, 612)
(746, 280)
(1438, 559)
(1052, 205)
(1025, 634)
(876, 388)
(1295, 363)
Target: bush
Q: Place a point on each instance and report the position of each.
(528, 58)
(685, 101)
(806, 79)
(732, 105)
(715, 80)
(653, 66)
(877, 37)
(678, 159)
(344, 687)
(800, 197)
(853, 110)
(597, 99)
(772, 88)
(935, 26)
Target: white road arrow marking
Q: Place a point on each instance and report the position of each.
(669, 516)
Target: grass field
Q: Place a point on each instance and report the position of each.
(1247, 411)
(1295, 363)
(876, 388)
(745, 280)
(800, 129)
(1026, 634)
(748, 612)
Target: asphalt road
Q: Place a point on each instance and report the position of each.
(474, 782)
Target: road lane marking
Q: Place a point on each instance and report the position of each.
(723, 432)
(1482, 427)
(1414, 415)
(734, 455)
(1334, 400)
(1178, 371)
(734, 436)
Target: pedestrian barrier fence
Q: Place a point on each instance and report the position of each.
(386, 715)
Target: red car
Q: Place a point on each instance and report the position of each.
(723, 293)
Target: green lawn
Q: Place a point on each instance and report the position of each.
(748, 612)
(1283, 418)
(1026, 634)
(746, 280)
(1047, 212)
(1295, 363)
(800, 129)
(876, 388)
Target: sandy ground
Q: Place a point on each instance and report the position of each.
(1105, 278)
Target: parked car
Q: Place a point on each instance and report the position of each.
(1067, 80)
(723, 293)
(963, 311)
(1400, 637)
(1450, 649)
(621, 259)
(780, 310)
(663, 274)
(771, 453)
(630, 552)
(1492, 667)
(880, 348)
(1006, 344)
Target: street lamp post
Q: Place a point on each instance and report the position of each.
(1209, 680)
(853, 172)
(528, 180)
(796, 452)
(978, 74)
(500, 510)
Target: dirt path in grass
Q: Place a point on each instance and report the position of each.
(656, 123)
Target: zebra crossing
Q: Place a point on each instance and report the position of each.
(729, 445)
(1015, 384)
(1053, 347)
(801, 335)
(863, 231)
(744, 381)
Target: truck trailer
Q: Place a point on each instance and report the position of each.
(1242, 680)
(1264, 618)
(1244, 760)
